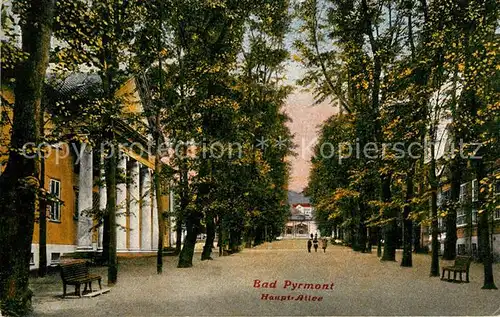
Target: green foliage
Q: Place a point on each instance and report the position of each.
(399, 68)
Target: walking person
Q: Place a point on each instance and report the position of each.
(324, 243)
(309, 245)
(315, 243)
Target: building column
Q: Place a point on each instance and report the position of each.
(154, 240)
(134, 235)
(121, 206)
(146, 210)
(103, 199)
(85, 183)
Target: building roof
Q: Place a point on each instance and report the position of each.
(297, 198)
(297, 215)
(301, 204)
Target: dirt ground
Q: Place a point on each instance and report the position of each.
(362, 285)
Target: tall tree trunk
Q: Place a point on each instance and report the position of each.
(361, 238)
(209, 242)
(450, 243)
(19, 182)
(407, 222)
(192, 226)
(355, 229)
(417, 233)
(370, 238)
(483, 234)
(111, 170)
(433, 182)
(178, 235)
(42, 203)
(159, 201)
(235, 240)
(161, 219)
(219, 236)
(184, 201)
(379, 242)
(110, 67)
(390, 234)
(484, 247)
(42, 206)
(417, 242)
(105, 236)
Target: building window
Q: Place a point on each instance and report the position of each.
(461, 218)
(461, 249)
(55, 258)
(32, 259)
(475, 190)
(55, 206)
(463, 193)
(497, 214)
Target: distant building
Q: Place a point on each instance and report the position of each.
(468, 203)
(73, 174)
(301, 221)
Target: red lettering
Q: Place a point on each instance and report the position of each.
(256, 283)
(264, 296)
(287, 283)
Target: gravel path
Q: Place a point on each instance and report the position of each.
(362, 286)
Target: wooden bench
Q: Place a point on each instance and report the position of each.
(462, 265)
(77, 273)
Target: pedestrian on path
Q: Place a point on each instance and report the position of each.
(315, 243)
(324, 243)
(309, 245)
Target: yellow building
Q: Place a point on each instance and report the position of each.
(74, 175)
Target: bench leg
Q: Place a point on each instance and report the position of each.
(64, 290)
(449, 279)
(442, 275)
(460, 276)
(467, 276)
(90, 286)
(454, 276)
(99, 280)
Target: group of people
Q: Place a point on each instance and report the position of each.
(313, 241)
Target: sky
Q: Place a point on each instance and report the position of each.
(306, 119)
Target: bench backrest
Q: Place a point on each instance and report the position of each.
(463, 261)
(74, 270)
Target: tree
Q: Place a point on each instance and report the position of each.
(367, 40)
(19, 182)
(112, 31)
